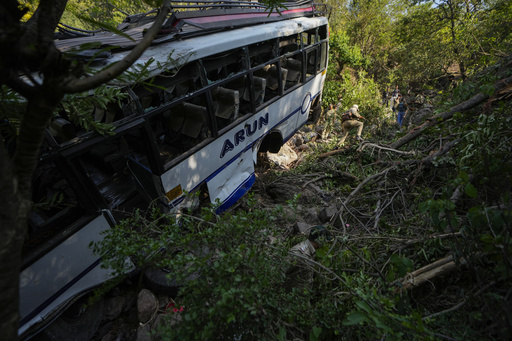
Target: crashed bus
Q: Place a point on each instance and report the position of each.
(241, 81)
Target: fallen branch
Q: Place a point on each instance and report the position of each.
(333, 152)
(354, 192)
(469, 104)
(314, 180)
(363, 146)
(459, 305)
(429, 272)
(422, 240)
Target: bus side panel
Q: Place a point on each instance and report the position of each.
(68, 270)
(286, 115)
(292, 111)
(232, 182)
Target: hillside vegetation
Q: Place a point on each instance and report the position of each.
(421, 217)
(421, 221)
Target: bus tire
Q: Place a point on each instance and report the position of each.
(79, 322)
(315, 114)
(160, 281)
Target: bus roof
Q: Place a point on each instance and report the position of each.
(190, 35)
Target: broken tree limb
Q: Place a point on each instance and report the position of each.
(429, 272)
(422, 240)
(333, 152)
(354, 192)
(470, 103)
(363, 146)
(459, 305)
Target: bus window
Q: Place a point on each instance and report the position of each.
(226, 105)
(56, 204)
(274, 78)
(323, 56)
(309, 38)
(63, 127)
(105, 165)
(241, 84)
(261, 53)
(312, 63)
(181, 127)
(289, 44)
(294, 66)
(322, 33)
(168, 86)
(224, 65)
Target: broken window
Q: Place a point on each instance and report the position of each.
(55, 204)
(106, 166)
(181, 127)
(293, 65)
(289, 44)
(224, 65)
(273, 77)
(168, 87)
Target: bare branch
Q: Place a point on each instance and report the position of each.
(83, 84)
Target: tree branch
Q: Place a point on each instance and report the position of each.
(83, 84)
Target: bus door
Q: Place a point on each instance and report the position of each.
(233, 180)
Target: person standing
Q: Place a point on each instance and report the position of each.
(351, 121)
(401, 109)
(394, 96)
(385, 97)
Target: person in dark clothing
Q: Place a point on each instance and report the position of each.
(385, 97)
(401, 109)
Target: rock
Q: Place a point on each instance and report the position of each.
(303, 148)
(311, 136)
(305, 129)
(282, 192)
(327, 213)
(163, 301)
(300, 227)
(311, 216)
(299, 140)
(284, 157)
(144, 332)
(113, 307)
(147, 305)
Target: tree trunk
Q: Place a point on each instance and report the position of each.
(471, 103)
(12, 232)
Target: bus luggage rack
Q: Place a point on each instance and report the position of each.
(209, 4)
(187, 20)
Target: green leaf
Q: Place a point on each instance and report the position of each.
(363, 305)
(470, 190)
(355, 318)
(315, 333)
(464, 176)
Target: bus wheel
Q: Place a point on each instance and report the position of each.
(161, 281)
(315, 114)
(79, 322)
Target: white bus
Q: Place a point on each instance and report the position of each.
(242, 82)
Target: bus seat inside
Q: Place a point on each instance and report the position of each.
(226, 103)
(195, 119)
(259, 90)
(294, 70)
(177, 117)
(240, 85)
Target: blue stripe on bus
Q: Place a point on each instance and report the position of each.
(239, 192)
(234, 158)
(61, 291)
